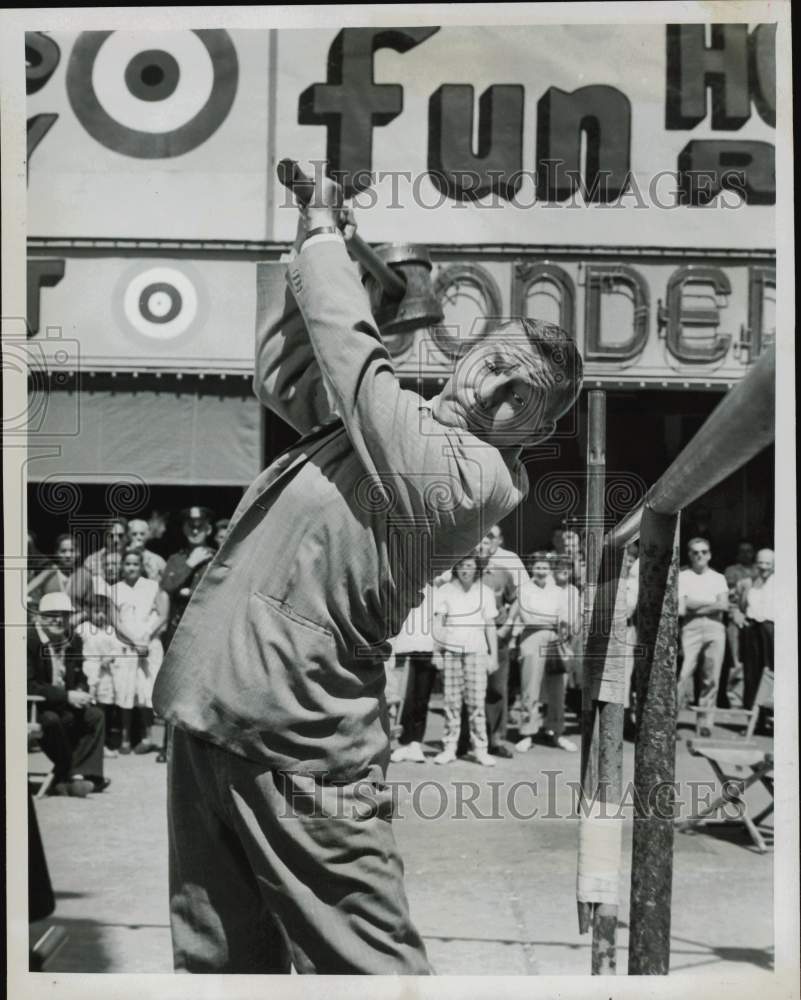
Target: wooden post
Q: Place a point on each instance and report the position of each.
(594, 523)
(655, 747)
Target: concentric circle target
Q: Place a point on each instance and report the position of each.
(152, 101)
(161, 302)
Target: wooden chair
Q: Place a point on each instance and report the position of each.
(44, 778)
(737, 765)
(745, 717)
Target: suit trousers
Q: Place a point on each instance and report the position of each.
(757, 647)
(703, 645)
(497, 702)
(73, 739)
(271, 868)
(536, 650)
(419, 685)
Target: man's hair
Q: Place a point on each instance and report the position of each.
(540, 556)
(695, 541)
(63, 538)
(109, 524)
(563, 369)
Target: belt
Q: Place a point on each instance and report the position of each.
(716, 617)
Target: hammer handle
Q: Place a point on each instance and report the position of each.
(302, 186)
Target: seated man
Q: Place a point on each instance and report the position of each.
(73, 729)
(281, 846)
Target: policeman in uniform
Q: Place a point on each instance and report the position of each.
(183, 572)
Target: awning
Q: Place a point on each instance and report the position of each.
(189, 432)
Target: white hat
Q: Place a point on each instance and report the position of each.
(56, 601)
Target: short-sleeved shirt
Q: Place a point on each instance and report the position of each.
(706, 587)
(415, 635)
(540, 606)
(466, 613)
(759, 600)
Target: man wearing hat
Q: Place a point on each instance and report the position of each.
(185, 568)
(182, 574)
(73, 729)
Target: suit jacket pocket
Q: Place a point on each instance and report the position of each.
(288, 612)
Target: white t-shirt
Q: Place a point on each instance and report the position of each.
(465, 614)
(706, 587)
(536, 602)
(415, 635)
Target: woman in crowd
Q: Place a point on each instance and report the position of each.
(464, 633)
(140, 613)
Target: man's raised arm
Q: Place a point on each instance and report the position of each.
(287, 378)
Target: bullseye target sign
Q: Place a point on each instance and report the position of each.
(165, 302)
(152, 100)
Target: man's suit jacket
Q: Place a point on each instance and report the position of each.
(40, 671)
(279, 655)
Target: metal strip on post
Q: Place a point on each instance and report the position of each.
(596, 485)
(655, 746)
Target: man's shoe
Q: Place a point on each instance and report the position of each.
(161, 757)
(523, 745)
(414, 753)
(100, 784)
(399, 754)
(109, 754)
(125, 748)
(445, 757)
(561, 742)
(483, 758)
(61, 788)
(79, 788)
(144, 747)
(501, 750)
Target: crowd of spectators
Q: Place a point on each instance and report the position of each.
(502, 629)
(99, 623)
(495, 631)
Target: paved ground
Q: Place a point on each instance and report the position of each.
(490, 896)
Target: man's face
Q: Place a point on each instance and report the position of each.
(137, 534)
(764, 563)
(219, 534)
(745, 554)
(111, 567)
(495, 539)
(571, 543)
(561, 575)
(699, 556)
(540, 571)
(493, 393)
(466, 571)
(116, 537)
(66, 555)
(196, 530)
(55, 625)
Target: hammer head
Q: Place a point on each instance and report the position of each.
(419, 306)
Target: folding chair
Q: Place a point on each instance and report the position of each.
(737, 765)
(45, 778)
(746, 717)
